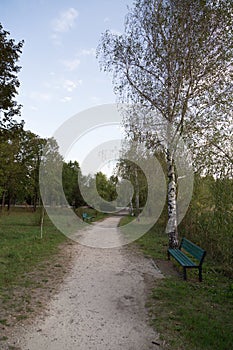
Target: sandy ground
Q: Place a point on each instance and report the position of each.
(100, 305)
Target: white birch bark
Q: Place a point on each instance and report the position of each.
(172, 203)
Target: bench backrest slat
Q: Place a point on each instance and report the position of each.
(191, 248)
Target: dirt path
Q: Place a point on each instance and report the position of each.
(100, 305)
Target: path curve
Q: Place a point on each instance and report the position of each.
(100, 305)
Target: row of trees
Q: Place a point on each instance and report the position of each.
(21, 154)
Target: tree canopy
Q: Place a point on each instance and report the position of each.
(175, 57)
(9, 83)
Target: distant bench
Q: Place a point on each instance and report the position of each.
(87, 217)
(185, 260)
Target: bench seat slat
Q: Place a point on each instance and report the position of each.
(192, 248)
(181, 257)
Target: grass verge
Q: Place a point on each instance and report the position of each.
(29, 265)
(21, 247)
(188, 315)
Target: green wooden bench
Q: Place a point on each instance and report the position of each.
(87, 217)
(184, 256)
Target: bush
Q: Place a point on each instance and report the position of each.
(208, 221)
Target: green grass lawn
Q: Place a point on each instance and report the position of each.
(21, 247)
(189, 314)
(192, 315)
(25, 262)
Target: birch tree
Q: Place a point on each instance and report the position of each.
(174, 58)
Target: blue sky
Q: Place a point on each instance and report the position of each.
(60, 75)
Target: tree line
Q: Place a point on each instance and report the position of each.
(21, 154)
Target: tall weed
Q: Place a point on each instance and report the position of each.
(209, 220)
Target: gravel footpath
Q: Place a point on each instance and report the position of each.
(100, 305)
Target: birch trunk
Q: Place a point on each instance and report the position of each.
(172, 204)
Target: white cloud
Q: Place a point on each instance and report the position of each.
(65, 21)
(95, 100)
(66, 99)
(33, 108)
(88, 52)
(40, 96)
(106, 20)
(71, 65)
(56, 39)
(70, 85)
